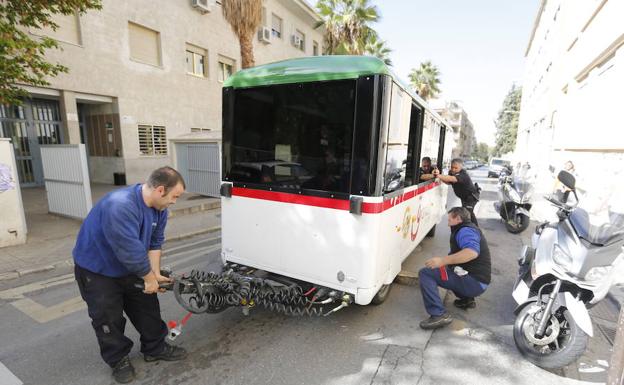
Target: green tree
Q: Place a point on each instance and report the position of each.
(374, 46)
(481, 152)
(245, 17)
(426, 80)
(507, 122)
(22, 56)
(347, 25)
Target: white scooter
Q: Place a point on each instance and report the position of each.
(570, 267)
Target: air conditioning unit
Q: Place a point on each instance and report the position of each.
(203, 6)
(264, 35)
(297, 41)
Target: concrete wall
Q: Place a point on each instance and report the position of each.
(164, 94)
(572, 90)
(13, 223)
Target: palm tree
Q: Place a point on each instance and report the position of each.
(374, 46)
(426, 80)
(346, 24)
(331, 23)
(245, 17)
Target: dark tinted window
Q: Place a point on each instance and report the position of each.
(295, 136)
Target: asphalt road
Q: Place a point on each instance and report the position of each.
(47, 337)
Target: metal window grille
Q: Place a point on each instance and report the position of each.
(152, 140)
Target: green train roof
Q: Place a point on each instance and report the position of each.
(308, 69)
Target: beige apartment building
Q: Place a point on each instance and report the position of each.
(143, 73)
(572, 91)
(463, 130)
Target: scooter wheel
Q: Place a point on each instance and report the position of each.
(518, 224)
(563, 343)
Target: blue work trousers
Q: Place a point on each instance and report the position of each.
(463, 286)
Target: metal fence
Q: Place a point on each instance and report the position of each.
(200, 165)
(66, 178)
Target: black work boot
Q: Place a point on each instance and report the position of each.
(123, 371)
(465, 303)
(435, 322)
(169, 353)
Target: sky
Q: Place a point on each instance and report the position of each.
(477, 45)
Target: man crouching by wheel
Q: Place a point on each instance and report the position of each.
(118, 246)
(466, 271)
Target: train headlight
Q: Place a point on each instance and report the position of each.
(597, 273)
(561, 258)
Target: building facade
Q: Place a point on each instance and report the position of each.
(463, 129)
(571, 91)
(143, 73)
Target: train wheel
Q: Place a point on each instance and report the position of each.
(381, 295)
(431, 232)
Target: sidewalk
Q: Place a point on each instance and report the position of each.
(51, 237)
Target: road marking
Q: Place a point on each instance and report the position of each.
(43, 314)
(18, 292)
(8, 378)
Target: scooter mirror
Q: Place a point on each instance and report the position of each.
(567, 179)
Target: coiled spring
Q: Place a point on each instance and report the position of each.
(209, 292)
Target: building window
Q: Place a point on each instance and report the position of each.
(68, 30)
(144, 44)
(226, 68)
(196, 59)
(299, 40)
(315, 48)
(152, 140)
(276, 26)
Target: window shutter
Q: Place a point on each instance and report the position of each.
(144, 44)
(68, 29)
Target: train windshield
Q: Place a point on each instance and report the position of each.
(292, 136)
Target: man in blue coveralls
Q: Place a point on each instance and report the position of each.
(466, 271)
(118, 246)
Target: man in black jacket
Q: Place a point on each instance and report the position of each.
(466, 271)
(462, 185)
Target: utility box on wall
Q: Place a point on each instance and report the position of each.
(13, 223)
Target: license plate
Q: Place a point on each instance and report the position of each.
(521, 292)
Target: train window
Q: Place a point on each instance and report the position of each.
(415, 134)
(293, 136)
(398, 138)
(429, 150)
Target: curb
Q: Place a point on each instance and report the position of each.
(195, 209)
(194, 233)
(408, 278)
(18, 273)
(614, 301)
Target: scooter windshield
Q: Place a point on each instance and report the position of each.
(599, 217)
(523, 180)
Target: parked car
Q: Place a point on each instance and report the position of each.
(496, 165)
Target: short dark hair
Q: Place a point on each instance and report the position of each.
(458, 161)
(426, 158)
(460, 212)
(167, 177)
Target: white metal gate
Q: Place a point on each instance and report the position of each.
(200, 165)
(66, 178)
